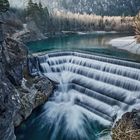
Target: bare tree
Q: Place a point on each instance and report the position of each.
(137, 26)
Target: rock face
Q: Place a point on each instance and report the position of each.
(128, 127)
(19, 92)
(30, 32)
(7, 107)
(33, 64)
(33, 93)
(14, 56)
(12, 25)
(8, 98)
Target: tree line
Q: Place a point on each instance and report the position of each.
(67, 21)
(58, 21)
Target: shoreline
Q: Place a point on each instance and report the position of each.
(127, 43)
(68, 33)
(26, 36)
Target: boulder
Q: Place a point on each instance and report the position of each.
(128, 127)
(19, 92)
(33, 93)
(8, 106)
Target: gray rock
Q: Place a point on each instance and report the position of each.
(33, 65)
(18, 97)
(33, 33)
(8, 107)
(32, 94)
(136, 118)
(14, 57)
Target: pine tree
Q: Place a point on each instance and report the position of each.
(30, 8)
(40, 5)
(30, 3)
(4, 5)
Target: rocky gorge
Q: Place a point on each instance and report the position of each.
(20, 93)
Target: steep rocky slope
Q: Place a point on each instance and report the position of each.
(14, 27)
(19, 93)
(8, 106)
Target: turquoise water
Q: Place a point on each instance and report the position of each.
(93, 43)
(39, 125)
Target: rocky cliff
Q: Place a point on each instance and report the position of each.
(8, 106)
(19, 92)
(14, 27)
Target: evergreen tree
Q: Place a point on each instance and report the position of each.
(4, 5)
(38, 14)
(40, 5)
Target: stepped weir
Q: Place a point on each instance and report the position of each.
(91, 89)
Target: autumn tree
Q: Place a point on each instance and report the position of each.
(137, 26)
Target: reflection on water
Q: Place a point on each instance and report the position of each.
(97, 43)
(73, 42)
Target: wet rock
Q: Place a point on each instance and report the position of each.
(136, 119)
(8, 106)
(32, 94)
(33, 65)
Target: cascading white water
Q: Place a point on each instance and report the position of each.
(91, 90)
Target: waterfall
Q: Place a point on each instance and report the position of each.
(91, 90)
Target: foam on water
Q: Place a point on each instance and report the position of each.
(92, 92)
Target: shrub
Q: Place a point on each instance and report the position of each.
(137, 27)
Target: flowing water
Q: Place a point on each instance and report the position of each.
(92, 92)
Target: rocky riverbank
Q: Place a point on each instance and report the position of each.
(128, 127)
(20, 93)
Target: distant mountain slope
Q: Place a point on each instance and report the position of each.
(100, 7)
(23, 3)
(103, 7)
